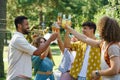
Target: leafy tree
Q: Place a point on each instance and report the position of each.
(81, 10)
(2, 33)
(112, 9)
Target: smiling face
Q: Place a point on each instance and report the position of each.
(38, 41)
(89, 28)
(87, 31)
(21, 24)
(25, 27)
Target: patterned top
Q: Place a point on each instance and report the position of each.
(93, 61)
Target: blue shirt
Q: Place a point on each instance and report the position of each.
(42, 65)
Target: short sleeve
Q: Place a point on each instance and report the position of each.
(36, 62)
(75, 45)
(114, 50)
(23, 45)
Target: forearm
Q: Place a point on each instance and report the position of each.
(67, 40)
(113, 70)
(42, 48)
(84, 38)
(107, 72)
(61, 45)
(45, 53)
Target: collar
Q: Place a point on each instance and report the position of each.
(19, 33)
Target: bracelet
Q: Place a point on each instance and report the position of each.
(97, 73)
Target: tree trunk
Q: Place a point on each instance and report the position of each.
(2, 34)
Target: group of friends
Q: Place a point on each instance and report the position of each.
(96, 59)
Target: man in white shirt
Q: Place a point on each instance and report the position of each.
(20, 51)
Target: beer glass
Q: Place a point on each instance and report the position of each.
(55, 27)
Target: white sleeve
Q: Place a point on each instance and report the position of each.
(23, 45)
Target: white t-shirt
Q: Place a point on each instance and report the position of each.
(19, 57)
(83, 71)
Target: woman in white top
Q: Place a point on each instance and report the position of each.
(109, 31)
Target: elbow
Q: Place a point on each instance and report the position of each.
(37, 53)
(66, 46)
(115, 71)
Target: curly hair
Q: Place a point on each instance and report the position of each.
(109, 29)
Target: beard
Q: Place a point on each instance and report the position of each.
(25, 31)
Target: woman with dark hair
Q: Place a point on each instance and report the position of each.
(43, 64)
(109, 31)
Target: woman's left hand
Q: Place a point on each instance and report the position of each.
(95, 76)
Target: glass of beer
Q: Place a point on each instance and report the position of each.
(68, 21)
(55, 27)
(63, 21)
(59, 17)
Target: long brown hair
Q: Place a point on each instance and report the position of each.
(36, 43)
(109, 29)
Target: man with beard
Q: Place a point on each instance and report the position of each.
(20, 51)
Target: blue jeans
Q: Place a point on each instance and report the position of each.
(81, 78)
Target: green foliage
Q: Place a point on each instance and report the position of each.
(112, 9)
(81, 10)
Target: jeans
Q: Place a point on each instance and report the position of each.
(81, 78)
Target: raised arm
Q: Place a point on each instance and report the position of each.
(44, 46)
(60, 43)
(45, 53)
(67, 40)
(83, 37)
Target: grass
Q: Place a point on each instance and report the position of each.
(56, 56)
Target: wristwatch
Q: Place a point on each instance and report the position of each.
(97, 73)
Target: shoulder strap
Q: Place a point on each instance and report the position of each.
(106, 56)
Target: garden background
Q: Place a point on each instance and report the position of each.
(42, 13)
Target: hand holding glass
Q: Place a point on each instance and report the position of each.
(55, 27)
